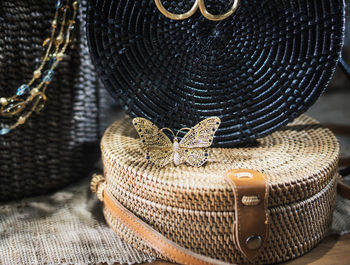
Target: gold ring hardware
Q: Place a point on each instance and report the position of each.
(197, 4)
(212, 17)
(176, 16)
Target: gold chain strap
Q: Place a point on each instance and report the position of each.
(31, 97)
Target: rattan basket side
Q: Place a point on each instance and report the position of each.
(299, 161)
(194, 207)
(294, 229)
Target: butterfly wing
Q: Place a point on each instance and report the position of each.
(156, 145)
(196, 157)
(201, 135)
(193, 146)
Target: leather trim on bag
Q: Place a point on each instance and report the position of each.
(251, 221)
(153, 238)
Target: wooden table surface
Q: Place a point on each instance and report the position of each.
(333, 250)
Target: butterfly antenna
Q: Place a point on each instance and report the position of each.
(169, 130)
(183, 129)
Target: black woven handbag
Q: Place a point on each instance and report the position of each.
(257, 70)
(55, 147)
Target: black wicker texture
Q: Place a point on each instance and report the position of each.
(55, 147)
(256, 70)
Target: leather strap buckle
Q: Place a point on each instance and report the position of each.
(251, 216)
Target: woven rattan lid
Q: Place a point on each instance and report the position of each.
(298, 161)
(257, 70)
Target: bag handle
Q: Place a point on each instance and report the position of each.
(157, 241)
(250, 234)
(145, 232)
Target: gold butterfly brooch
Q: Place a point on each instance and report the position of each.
(193, 147)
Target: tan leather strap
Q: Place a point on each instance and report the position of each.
(251, 224)
(154, 239)
(251, 216)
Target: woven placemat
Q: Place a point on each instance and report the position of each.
(66, 227)
(256, 70)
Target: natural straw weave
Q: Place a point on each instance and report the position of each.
(194, 206)
(257, 70)
(54, 148)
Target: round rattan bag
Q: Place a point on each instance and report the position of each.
(257, 70)
(198, 210)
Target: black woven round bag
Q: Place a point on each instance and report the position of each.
(257, 70)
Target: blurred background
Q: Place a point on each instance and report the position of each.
(334, 106)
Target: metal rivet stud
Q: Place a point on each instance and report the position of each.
(253, 242)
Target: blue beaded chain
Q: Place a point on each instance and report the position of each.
(31, 97)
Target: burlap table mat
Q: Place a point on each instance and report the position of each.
(66, 227)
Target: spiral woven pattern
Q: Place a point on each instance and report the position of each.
(256, 70)
(53, 148)
(195, 206)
